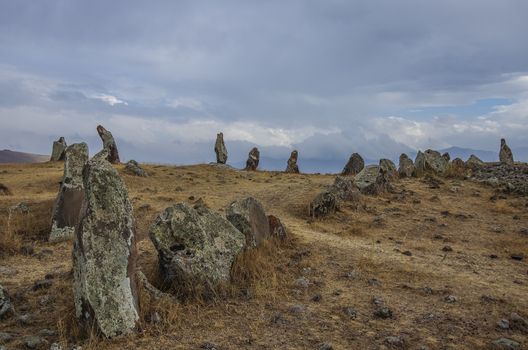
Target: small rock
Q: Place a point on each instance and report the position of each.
(326, 346)
(451, 299)
(394, 341)
(494, 256)
(5, 302)
(317, 298)
(518, 323)
(350, 312)
(517, 256)
(407, 252)
(34, 342)
(383, 312)
(503, 324)
(209, 346)
(377, 301)
(41, 284)
(505, 344)
(24, 319)
(155, 317)
(5, 337)
(302, 282)
(447, 248)
(374, 282)
(297, 309)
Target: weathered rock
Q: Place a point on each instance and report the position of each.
(292, 166)
(505, 344)
(277, 229)
(71, 194)
(5, 302)
(430, 162)
(345, 189)
(457, 168)
(220, 149)
(389, 168)
(474, 162)
(354, 165)
(249, 217)
(505, 154)
(109, 144)
(133, 168)
(324, 204)
(372, 180)
(253, 159)
(446, 156)
(518, 323)
(195, 245)
(57, 153)
(104, 253)
(406, 166)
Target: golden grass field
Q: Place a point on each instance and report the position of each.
(349, 259)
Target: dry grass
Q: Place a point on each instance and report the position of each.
(341, 257)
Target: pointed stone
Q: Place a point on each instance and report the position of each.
(292, 166)
(474, 162)
(354, 165)
(430, 162)
(389, 168)
(253, 159)
(406, 166)
(104, 254)
(109, 144)
(249, 217)
(220, 149)
(71, 194)
(57, 152)
(505, 154)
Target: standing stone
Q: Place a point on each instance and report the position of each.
(220, 149)
(325, 203)
(104, 253)
(406, 166)
(430, 162)
(474, 162)
(457, 168)
(109, 144)
(57, 152)
(195, 245)
(329, 200)
(292, 163)
(133, 168)
(446, 156)
(71, 194)
(505, 154)
(253, 159)
(277, 229)
(389, 168)
(249, 217)
(354, 165)
(373, 180)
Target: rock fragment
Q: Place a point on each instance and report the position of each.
(133, 168)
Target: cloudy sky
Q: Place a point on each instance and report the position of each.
(327, 77)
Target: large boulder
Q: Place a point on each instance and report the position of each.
(292, 166)
(373, 180)
(249, 217)
(195, 245)
(325, 203)
(109, 144)
(5, 302)
(57, 153)
(474, 162)
(406, 166)
(253, 159)
(389, 168)
(220, 149)
(328, 201)
(104, 253)
(430, 162)
(67, 206)
(354, 165)
(505, 154)
(457, 168)
(133, 168)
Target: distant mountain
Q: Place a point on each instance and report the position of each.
(7, 156)
(465, 153)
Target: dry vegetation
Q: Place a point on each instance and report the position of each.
(407, 250)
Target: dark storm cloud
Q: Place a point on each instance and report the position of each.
(292, 66)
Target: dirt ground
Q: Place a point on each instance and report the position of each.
(438, 258)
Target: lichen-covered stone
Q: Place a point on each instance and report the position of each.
(104, 253)
(457, 168)
(328, 201)
(292, 166)
(220, 149)
(505, 154)
(406, 166)
(5, 302)
(372, 180)
(253, 159)
(195, 245)
(325, 203)
(354, 165)
(133, 168)
(57, 153)
(474, 162)
(249, 217)
(446, 156)
(430, 162)
(109, 144)
(388, 167)
(277, 229)
(67, 206)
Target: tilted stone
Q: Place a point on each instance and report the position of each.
(104, 253)
(253, 159)
(292, 166)
(220, 149)
(109, 144)
(249, 217)
(406, 166)
(474, 162)
(354, 165)
(195, 245)
(57, 152)
(505, 154)
(71, 194)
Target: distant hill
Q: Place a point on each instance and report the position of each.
(7, 156)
